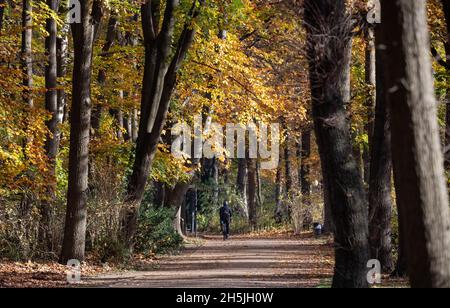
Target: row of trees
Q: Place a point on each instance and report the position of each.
(406, 112)
(355, 100)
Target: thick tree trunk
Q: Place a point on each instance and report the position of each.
(80, 119)
(329, 35)
(370, 68)
(252, 208)
(416, 151)
(380, 203)
(27, 52)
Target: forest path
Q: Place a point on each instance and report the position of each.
(243, 261)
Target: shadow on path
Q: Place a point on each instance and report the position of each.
(243, 262)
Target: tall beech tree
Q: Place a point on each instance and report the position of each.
(416, 151)
(329, 34)
(80, 119)
(160, 74)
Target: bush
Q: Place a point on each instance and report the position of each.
(156, 234)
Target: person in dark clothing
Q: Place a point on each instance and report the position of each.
(225, 220)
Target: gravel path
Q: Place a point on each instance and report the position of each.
(303, 261)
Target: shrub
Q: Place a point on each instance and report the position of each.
(156, 234)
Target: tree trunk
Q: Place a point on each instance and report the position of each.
(278, 194)
(27, 52)
(305, 183)
(370, 68)
(51, 106)
(159, 81)
(416, 150)
(80, 119)
(446, 6)
(380, 203)
(2, 11)
(134, 125)
(62, 44)
(241, 181)
(288, 167)
(252, 208)
(329, 35)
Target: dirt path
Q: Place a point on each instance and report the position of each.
(303, 261)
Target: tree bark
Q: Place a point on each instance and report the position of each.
(329, 36)
(380, 203)
(416, 150)
(80, 119)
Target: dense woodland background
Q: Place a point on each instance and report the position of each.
(86, 110)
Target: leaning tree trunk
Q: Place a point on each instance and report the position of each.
(416, 150)
(80, 119)
(329, 34)
(51, 105)
(380, 203)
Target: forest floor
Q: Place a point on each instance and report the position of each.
(256, 260)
